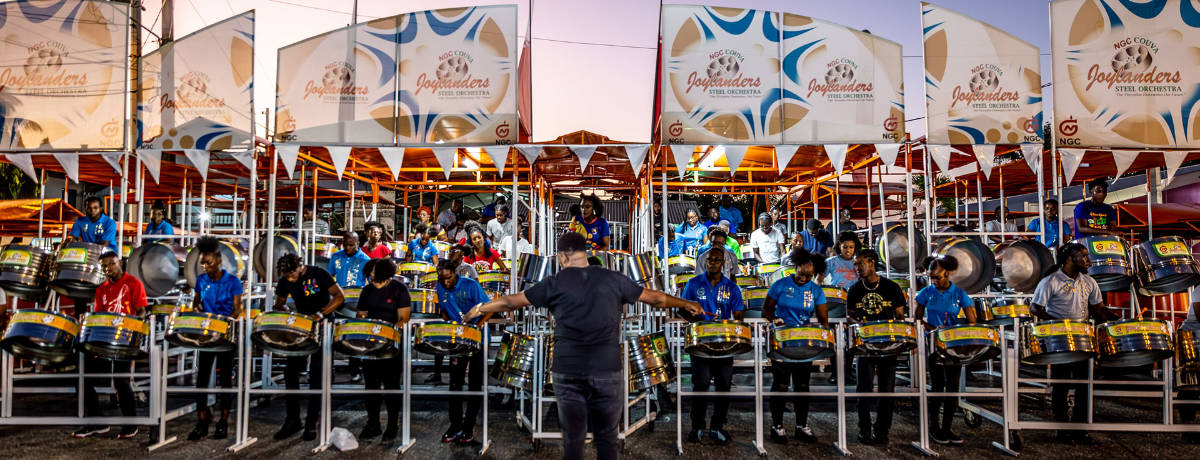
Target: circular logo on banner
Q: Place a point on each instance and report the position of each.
(1068, 127)
(839, 74)
(889, 124)
(502, 130)
(44, 57)
(724, 67)
(676, 129)
(1133, 58)
(453, 68)
(985, 80)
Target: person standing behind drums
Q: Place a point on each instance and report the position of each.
(721, 299)
(1050, 235)
(456, 296)
(316, 294)
(840, 267)
(95, 226)
(220, 293)
(386, 299)
(793, 301)
(874, 298)
(938, 304)
(718, 238)
(421, 248)
(587, 303)
(375, 247)
(158, 225)
(1070, 293)
(457, 252)
(766, 243)
(1093, 216)
(119, 293)
(347, 265)
(591, 224)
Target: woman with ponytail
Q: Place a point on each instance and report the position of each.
(939, 304)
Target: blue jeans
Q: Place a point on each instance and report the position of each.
(589, 400)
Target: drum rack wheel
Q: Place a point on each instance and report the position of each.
(972, 419)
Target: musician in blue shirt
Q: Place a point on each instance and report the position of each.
(793, 301)
(95, 226)
(1050, 234)
(689, 233)
(346, 265)
(158, 225)
(721, 299)
(939, 304)
(421, 248)
(456, 296)
(217, 292)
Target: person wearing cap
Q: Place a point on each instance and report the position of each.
(730, 244)
(766, 243)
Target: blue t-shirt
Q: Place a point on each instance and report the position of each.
(348, 270)
(1050, 234)
(814, 244)
(794, 304)
(942, 307)
(596, 231)
(422, 253)
(734, 216)
(103, 229)
(217, 296)
(840, 271)
(467, 292)
(719, 302)
(163, 228)
(1095, 215)
(695, 232)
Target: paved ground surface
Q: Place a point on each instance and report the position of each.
(509, 441)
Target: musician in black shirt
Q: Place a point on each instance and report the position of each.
(314, 293)
(874, 298)
(383, 298)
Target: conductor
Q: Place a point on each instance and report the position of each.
(587, 303)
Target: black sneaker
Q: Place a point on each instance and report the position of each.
(465, 437)
(89, 430)
(864, 437)
(390, 433)
(695, 435)
(805, 434)
(370, 431)
(450, 435)
(939, 437)
(778, 434)
(221, 430)
(199, 432)
(953, 438)
(289, 428)
(310, 433)
(128, 432)
(880, 439)
(719, 436)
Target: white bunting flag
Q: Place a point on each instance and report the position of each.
(70, 164)
(530, 152)
(734, 155)
(199, 159)
(1070, 162)
(940, 155)
(24, 162)
(584, 153)
(340, 156)
(888, 153)
(394, 156)
(288, 154)
(1033, 156)
(784, 154)
(245, 157)
(445, 158)
(152, 160)
(837, 155)
(682, 155)
(114, 160)
(985, 154)
(637, 155)
(1173, 160)
(499, 156)
(1124, 159)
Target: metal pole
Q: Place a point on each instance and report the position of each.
(514, 211)
(42, 200)
(912, 261)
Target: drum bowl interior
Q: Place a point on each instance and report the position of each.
(366, 346)
(799, 351)
(966, 351)
(39, 343)
(285, 342)
(1062, 349)
(718, 349)
(447, 347)
(647, 379)
(201, 340)
(1178, 281)
(1134, 350)
(77, 284)
(876, 348)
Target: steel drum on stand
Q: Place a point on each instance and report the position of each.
(1022, 263)
(513, 366)
(24, 271)
(718, 339)
(883, 338)
(976, 263)
(448, 338)
(77, 271)
(650, 362)
(965, 343)
(286, 333)
(365, 338)
(1110, 263)
(114, 336)
(1133, 342)
(201, 331)
(1164, 266)
(899, 248)
(1061, 341)
(284, 244)
(1187, 360)
(157, 266)
(806, 343)
(233, 260)
(42, 336)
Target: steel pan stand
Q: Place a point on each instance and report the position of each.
(406, 442)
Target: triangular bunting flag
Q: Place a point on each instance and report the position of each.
(682, 155)
(888, 153)
(288, 153)
(734, 155)
(1033, 156)
(394, 156)
(152, 160)
(70, 164)
(637, 155)
(1124, 159)
(1173, 160)
(445, 158)
(340, 156)
(584, 152)
(784, 154)
(114, 160)
(199, 159)
(530, 152)
(985, 154)
(24, 162)
(837, 155)
(245, 157)
(940, 155)
(499, 156)
(1070, 162)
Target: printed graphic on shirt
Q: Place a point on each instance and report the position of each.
(874, 304)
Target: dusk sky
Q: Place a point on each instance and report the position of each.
(593, 60)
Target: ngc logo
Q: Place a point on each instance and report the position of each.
(676, 129)
(502, 130)
(1068, 127)
(890, 123)
(1029, 126)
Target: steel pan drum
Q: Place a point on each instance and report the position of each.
(494, 281)
(883, 338)
(649, 362)
(718, 339)
(747, 281)
(1002, 311)
(284, 244)
(201, 331)
(447, 338)
(976, 264)
(642, 267)
(513, 366)
(414, 270)
(1164, 266)
(423, 303)
(156, 265)
(1187, 360)
(1022, 263)
(233, 260)
(755, 297)
(366, 338)
(533, 268)
(77, 271)
(349, 308)
(797, 344)
(682, 263)
(400, 250)
(1061, 341)
(682, 279)
(835, 301)
(24, 271)
(1133, 342)
(42, 336)
(167, 309)
(428, 281)
(765, 270)
(780, 274)
(899, 248)
(1110, 265)
(114, 336)
(965, 343)
(286, 333)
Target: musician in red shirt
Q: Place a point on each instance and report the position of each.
(124, 294)
(375, 247)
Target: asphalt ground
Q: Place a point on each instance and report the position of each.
(509, 440)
